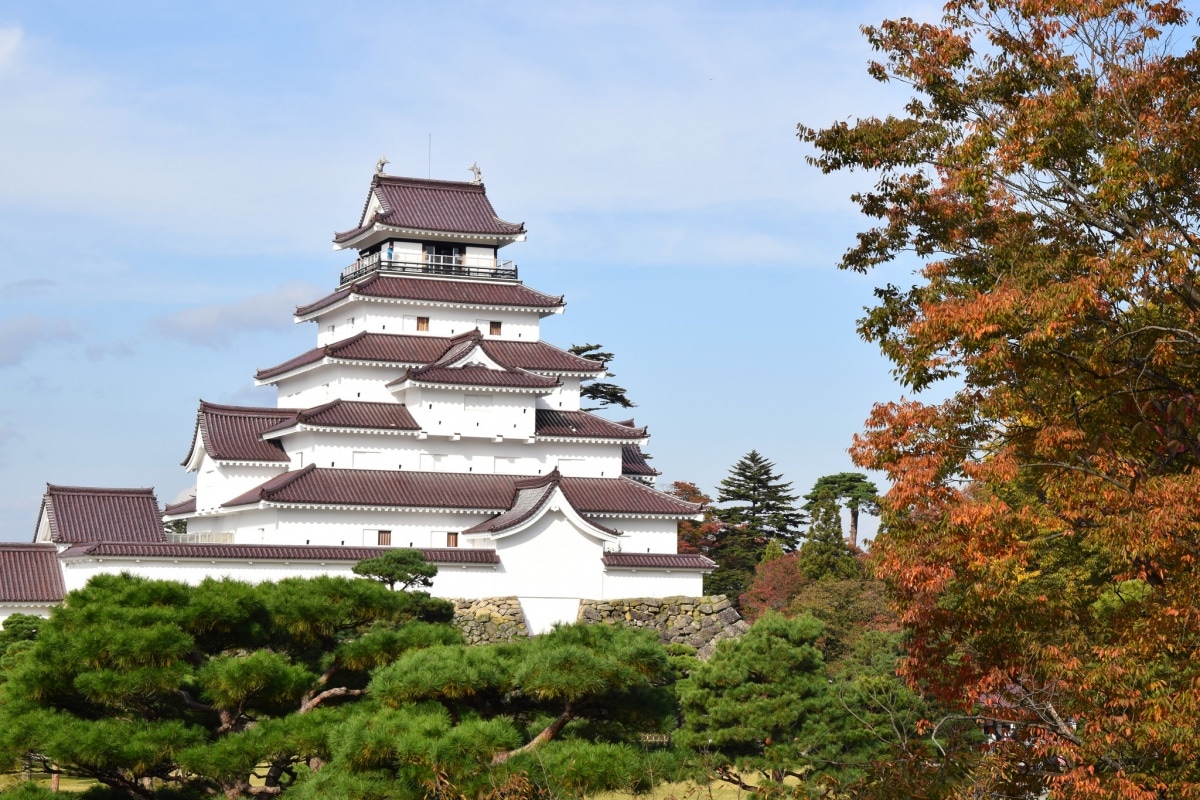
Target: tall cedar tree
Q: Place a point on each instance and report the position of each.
(1041, 528)
(824, 554)
(606, 394)
(763, 509)
(853, 490)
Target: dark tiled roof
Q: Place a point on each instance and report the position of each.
(267, 552)
(449, 206)
(530, 495)
(183, 507)
(494, 493)
(353, 414)
(659, 561)
(538, 357)
(409, 350)
(438, 291)
(633, 461)
(233, 433)
(87, 514)
(622, 496)
(384, 488)
(584, 425)
(478, 376)
(30, 573)
(386, 347)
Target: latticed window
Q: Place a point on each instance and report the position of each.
(385, 538)
(422, 323)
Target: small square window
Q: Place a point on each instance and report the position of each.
(385, 538)
(494, 328)
(451, 540)
(422, 323)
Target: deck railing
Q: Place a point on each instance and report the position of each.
(423, 264)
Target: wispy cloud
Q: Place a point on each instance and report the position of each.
(217, 325)
(26, 285)
(20, 336)
(11, 39)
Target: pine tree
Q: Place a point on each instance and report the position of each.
(764, 510)
(853, 490)
(606, 394)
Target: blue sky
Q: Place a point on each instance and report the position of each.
(171, 174)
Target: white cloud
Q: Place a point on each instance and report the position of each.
(217, 325)
(11, 40)
(20, 336)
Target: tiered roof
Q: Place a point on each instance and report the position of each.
(439, 292)
(352, 414)
(403, 350)
(234, 433)
(430, 205)
(87, 514)
(583, 425)
(467, 362)
(454, 491)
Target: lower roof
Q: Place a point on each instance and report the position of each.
(454, 490)
(29, 573)
(87, 514)
(271, 552)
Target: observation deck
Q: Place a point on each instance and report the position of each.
(456, 266)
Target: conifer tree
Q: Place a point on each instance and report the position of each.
(853, 490)
(606, 394)
(763, 509)
(824, 554)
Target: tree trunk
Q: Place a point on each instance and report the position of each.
(853, 527)
(548, 733)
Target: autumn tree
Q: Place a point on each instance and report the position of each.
(1040, 530)
(691, 536)
(853, 490)
(595, 390)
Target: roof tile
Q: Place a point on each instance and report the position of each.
(659, 561)
(272, 552)
(583, 425)
(432, 205)
(89, 514)
(30, 573)
(439, 291)
(472, 491)
(234, 433)
(406, 350)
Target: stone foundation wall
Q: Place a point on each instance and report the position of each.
(700, 622)
(490, 620)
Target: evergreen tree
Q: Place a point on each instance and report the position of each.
(606, 394)
(824, 554)
(851, 489)
(763, 509)
(218, 689)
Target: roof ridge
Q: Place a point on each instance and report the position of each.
(50, 487)
(206, 406)
(288, 478)
(335, 347)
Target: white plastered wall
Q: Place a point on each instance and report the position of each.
(216, 482)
